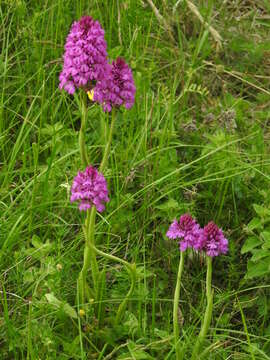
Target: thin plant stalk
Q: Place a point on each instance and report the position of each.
(175, 307)
(83, 151)
(131, 269)
(89, 226)
(108, 144)
(89, 259)
(208, 312)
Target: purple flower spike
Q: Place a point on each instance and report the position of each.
(117, 88)
(90, 189)
(185, 229)
(85, 57)
(212, 240)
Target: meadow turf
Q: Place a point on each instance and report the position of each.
(196, 140)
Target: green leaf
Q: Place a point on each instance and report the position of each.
(53, 300)
(168, 205)
(36, 242)
(250, 244)
(60, 305)
(132, 323)
(266, 237)
(259, 254)
(138, 353)
(261, 211)
(28, 275)
(162, 334)
(258, 269)
(255, 223)
(68, 309)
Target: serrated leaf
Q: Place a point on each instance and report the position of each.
(250, 244)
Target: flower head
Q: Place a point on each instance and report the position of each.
(117, 88)
(186, 229)
(85, 56)
(90, 189)
(212, 240)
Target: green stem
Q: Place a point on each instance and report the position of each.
(121, 309)
(131, 269)
(108, 145)
(89, 226)
(175, 307)
(83, 152)
(89, 256)
(209, 277)
(208, 312)
(90, 240)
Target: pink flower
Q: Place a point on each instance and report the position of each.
(117, 88)
(90, 189)
(186, 229)
(212, 240)
(85, 57)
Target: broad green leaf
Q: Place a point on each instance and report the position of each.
(168, 205)
(266, 237)
(250, 244)
(132, 324)
(53, 300)
(162, 334)
(138, 353)
(258, 269)
(259, 254)
(61, 305)
(261, 211)
(28, 275)
(36, 242)
(266, 246)
(68, 309)
(255, 223)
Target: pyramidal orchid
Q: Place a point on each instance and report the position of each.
(117, 88)
(213, 243)
(90, 189)
(85, 56)
(187, 231)
(111, 85)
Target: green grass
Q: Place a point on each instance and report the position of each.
(196, 140)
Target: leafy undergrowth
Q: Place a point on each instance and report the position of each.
(196, 140)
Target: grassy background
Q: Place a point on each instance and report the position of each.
(196, 140)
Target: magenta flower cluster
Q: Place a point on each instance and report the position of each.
(213, 241)
(210, 239)
(85, 56)
(185, 229)
(86, 65)
(118, 88)
(90, 189)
